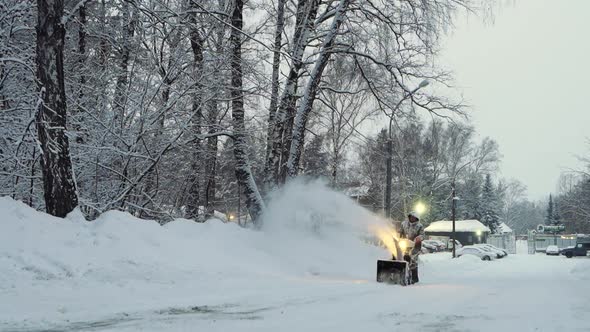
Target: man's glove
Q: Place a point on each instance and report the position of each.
(418, 243)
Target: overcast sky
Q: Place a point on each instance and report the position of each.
(527, 77)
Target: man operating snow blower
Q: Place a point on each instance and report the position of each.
(413, 230)
(402, 268)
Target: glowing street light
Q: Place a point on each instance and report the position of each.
(420, 208)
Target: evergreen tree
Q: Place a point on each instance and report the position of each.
(556, 215)
(549, 218)
(315, 158)
(470, 205)
(490, 216)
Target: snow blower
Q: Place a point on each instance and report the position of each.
(397, 271)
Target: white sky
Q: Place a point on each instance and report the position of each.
(527, 78)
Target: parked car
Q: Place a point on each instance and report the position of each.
(501, 252)
(429, 246)
(440, 245)
(552, 250)
(580, 249)
(490, 249)
(501, 249)
(450, 244)
(475, 251)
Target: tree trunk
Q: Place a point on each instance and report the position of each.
(254, 201)
(276, 64)
(306, 13)
(194, 191)
(211, 171)
(335, 163)
(81, 63)
(212, 118)
(58, 179)
(122, 78)
(311, 90)
(103, 48)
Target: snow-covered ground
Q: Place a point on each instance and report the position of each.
(306, 270)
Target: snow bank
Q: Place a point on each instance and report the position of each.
(308, 230)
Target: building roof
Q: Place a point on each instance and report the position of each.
(460, 226)
(504, 228)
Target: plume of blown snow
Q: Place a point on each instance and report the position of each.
(319, 231)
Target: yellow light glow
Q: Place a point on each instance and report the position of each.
(386, 234)
(231, 217)
(420, 208)
(478, 232)
(403, 245)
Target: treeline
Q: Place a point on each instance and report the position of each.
(428, 159)
(178, 108)
(168, 108)
(571, 205)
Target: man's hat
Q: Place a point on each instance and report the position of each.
(414, 214)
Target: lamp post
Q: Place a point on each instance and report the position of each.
(453, 210)
(239, 204)
(389, 161)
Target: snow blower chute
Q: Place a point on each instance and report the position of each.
(397, 271)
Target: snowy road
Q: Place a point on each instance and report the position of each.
(511, 294)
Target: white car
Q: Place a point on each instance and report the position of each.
(475, 251)
(429, 246)
(450, 244)
(490, 248)
(552, 250)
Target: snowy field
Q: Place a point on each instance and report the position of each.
(306, 270)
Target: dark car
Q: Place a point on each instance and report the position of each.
(580, 249)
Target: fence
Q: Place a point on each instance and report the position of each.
(504, 241)
(540, 242)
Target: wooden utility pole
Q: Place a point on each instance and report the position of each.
(453, 209)
(389, 176)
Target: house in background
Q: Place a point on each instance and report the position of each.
(467, 231)
(505, 229)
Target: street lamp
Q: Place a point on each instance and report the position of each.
(455, 199)
(453, 212)
(389, 161)
(420, 208)
(423, 84)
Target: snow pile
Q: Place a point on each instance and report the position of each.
(460, 226)
(308, 230)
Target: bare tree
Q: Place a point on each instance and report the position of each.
(345, 106)
(58, 178)
(244, 175)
